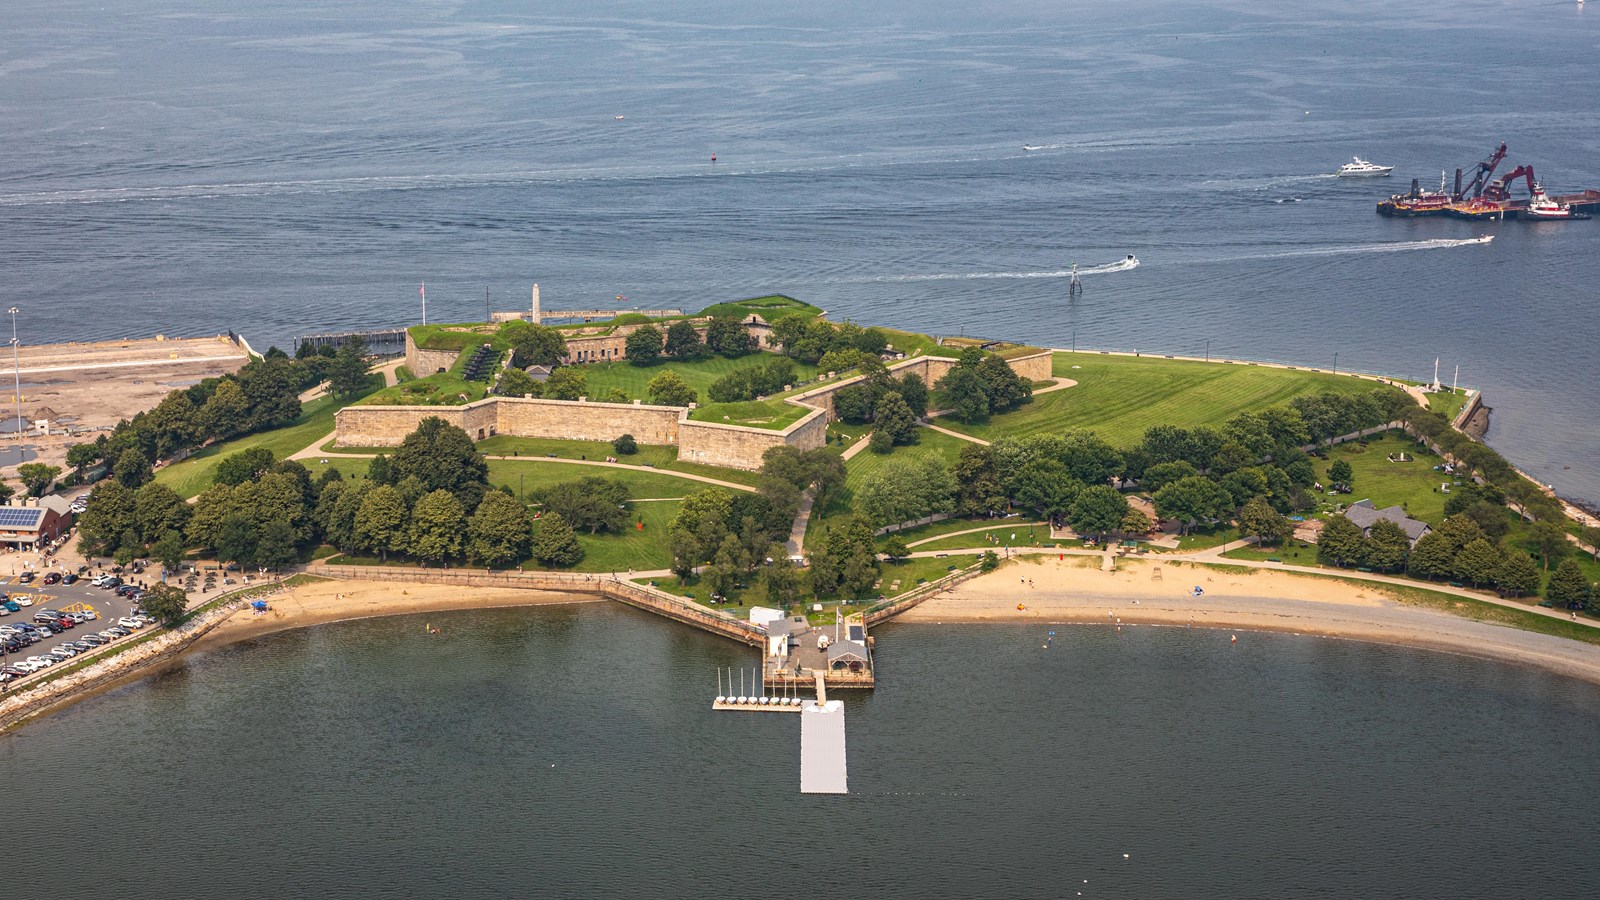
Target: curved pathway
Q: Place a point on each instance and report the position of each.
(940, 537)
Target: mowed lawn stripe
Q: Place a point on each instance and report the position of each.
(1121, 397)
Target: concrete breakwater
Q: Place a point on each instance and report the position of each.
(33, 700)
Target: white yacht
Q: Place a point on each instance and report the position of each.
(1360, 168)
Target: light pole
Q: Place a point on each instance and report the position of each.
(1335, 362)
(1208, 351)
(16, 369)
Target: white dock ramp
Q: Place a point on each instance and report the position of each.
(822, 768)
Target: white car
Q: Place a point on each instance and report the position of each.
(109, 635)
(130, 622)
(42, 661)
(100, 580)
(22, 600)
(27, 666)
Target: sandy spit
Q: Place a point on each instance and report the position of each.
(1144, 592)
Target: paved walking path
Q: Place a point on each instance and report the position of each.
(386, 370)
(860, 445)
(1001, 524)
(1061, 384)
(957, 434)
(802, 519)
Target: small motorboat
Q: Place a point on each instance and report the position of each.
(1031, 147)
(1544, 209)
(1360, 168)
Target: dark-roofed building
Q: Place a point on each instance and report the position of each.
(1365, 514)
(31, 527)
(847, 655)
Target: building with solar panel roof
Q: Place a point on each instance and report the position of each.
(31, 526)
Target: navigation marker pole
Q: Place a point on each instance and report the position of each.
(424, 303)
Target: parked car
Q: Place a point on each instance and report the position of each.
(94, 640)
(42, 660)
(69, 578)
(130, 622)
(120, 631)
(11, 605)
(62, 653)
(25, 578)
(108, 635)
(22, 600)
(14, 671)
(52, 578)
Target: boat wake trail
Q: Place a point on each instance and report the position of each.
(1394, 247)
(1121, 265)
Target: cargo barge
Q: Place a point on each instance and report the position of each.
(1482, 199)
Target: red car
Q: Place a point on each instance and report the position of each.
(52, 578)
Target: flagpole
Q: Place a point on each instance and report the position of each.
(424, 303)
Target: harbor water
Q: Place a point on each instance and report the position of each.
(178, 167)
(572, 751)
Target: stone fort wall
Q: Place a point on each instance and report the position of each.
(710, 443)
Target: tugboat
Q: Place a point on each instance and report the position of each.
(1360, 168)
(1417, 202)
(1542, 208)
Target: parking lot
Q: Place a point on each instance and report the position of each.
(108, 606)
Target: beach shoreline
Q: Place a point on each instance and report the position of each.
(1049, 592)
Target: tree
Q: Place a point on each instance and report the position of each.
(668, 388)
(592, 504)
(683, 340)
(727, 565)
(1006, 389)
(782, 578)
(1550, 540)
(1434, 556)
(158, 510)
(919, 488)
(1479, 562)
(132, 468)
(978, 489)
(166, 602)
(437, 523)
(963, 392)
(989, 561)
(1341, 542)
(442, 457)
(643, 345)
(1519, 577)
(1160, 475)
(1259, 520)
(347, 376)
(236, 539)
(895, 547)
(381, 522)
(537, 345)
(698, 528)
(1097, 510)
(227, 411)
(515, 382)
(37, 477)
(554, 543)
(728, 336)
(612, 394)
(82, 456)
(1386, 547)
(1136, 522)
(168, 550)
(498, 533)
(566, 383)
(1043, 485)
(1089, 458)
(788, 331)
(1568, 588)
(893, 423)
(1193, 500)
(625, 445)
(245, 465)
(110, 513)
(1341, 474)
(275, 545)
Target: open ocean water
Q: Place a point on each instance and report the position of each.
(185, 167)
(572, 752)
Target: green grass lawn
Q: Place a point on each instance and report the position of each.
(530, 475)
(1120, 397)
(1018, 535)
(1413, 485)
(658, 455)
(770, 413)
(925, 532)
(193, 475)
(634, 380)
(909, 572)
(1448, 403)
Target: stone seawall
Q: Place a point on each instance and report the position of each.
(28, 701)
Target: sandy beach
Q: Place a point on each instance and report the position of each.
(336, 601)
(1151, 593)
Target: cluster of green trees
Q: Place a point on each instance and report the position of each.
(751, 382)
(263, 394)
(725, 336)
(668, 388)
(1471, 545)
(565, 383)
(892, 405)
(980, 385)
(534, 345)
(733, 535)
(125, 523)
(809, 340)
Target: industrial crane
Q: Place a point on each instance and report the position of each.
(1500, 189)
(1480, 178)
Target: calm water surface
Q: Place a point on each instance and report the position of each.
(185, 166)
(572, 752)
